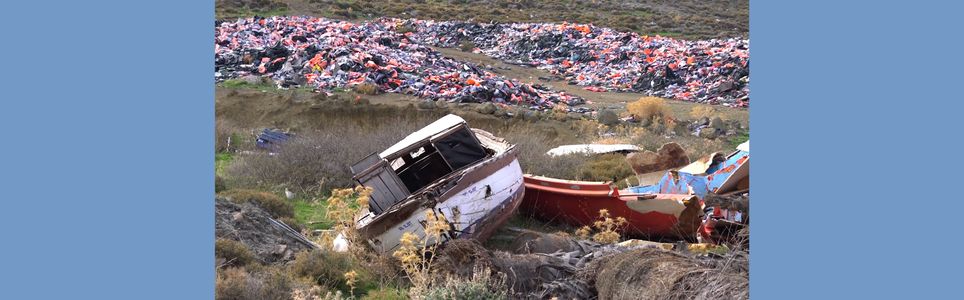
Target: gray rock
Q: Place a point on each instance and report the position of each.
(717, 123)
(709, 133)
(703, 121)
(608, 117)
(488, 108)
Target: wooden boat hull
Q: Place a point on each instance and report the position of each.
(482, 201)
(578, 203)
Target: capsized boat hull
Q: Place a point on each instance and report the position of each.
(578, 203)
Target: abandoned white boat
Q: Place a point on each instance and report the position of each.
(467, 175)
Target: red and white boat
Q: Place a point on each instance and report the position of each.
(577, 203)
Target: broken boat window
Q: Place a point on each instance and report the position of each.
(398, 163)
(460, 148)
(417, 152)
(428, 166)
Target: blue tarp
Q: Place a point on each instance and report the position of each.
(271, 139)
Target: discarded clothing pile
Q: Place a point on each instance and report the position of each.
(328, 54)
(712, 71)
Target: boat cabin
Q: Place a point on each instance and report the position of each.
(420, 159)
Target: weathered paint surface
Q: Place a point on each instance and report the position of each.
(578, 203)
(676, 182)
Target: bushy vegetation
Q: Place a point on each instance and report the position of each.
(317, 161)
(650, 108)
(367, 89)
(703, 111)
(233, 252)
(328, 269)
(611, 166)
(318, 158)
(605, 230)
(258, 283)
(417, 255)
(273, 204)
(481, 286)
(386, 294)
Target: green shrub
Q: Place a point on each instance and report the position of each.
(386, 294)
(234, 253)
(328, 268)
(274, 204)
(479, 287)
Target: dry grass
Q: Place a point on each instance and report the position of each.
(233, 253)
(417, 255)
(386, 294)
(328, 269)
(328, 140)
(607, 229)
(481, 286)
(254, 284)
(227, 136)
(659, 274)
(651, 108)
(703, 111)
(318, 160)
(366, 89)
(687, 18)
(605, 167)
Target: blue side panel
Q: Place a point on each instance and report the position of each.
(727, 168)
(670, 185)
(700, 185)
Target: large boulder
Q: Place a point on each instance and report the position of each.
(608, 117)
(717, 123)
(670, 155)
(709, 133)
